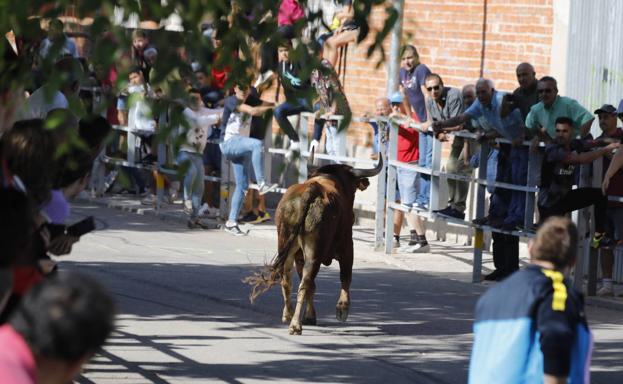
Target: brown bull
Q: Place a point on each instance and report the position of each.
(315, 225)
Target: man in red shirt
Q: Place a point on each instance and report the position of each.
(408, 152)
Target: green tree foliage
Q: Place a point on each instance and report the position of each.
(109, 43)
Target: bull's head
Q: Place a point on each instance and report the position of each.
(362, 175)
(359, 176)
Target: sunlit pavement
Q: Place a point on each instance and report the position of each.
(185, 317)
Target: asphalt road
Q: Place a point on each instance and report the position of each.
(185, 317)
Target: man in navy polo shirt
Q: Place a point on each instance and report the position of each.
(412, 78)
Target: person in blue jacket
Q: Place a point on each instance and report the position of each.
(531, 327)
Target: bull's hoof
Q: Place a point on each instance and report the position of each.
(309, 321)
(341, 313)
(286, 315)
(296, 329)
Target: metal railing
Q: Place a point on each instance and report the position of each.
(386, 187)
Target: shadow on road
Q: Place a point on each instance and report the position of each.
(412, 325)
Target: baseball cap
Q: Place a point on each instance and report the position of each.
(620, 109)
(395, 98)
(606, 108)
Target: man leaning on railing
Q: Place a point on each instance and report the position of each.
(507, 206)
(444, 103)
(607, 116)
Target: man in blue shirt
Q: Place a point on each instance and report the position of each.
(507, 207)
(531, 327)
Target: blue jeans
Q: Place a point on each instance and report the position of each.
(240, 151)
(426, 161)
(501, 197)
(519, 176)
(193, 179)
(289, 108)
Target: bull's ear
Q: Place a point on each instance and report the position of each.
(362, 183)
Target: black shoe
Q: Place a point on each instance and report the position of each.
(444, 211)
(495, 222)
(249, 218)
(481, 220)
(493, 276)
(456, 214)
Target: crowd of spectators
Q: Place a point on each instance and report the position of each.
(51, 323)
(423, 110)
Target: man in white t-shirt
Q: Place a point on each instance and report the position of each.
(197, 130)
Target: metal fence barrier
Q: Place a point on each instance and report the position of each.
(386, 188)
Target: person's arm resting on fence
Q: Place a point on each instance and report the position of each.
(589, 157)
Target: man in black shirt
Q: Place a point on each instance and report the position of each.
(556, 196)
(526, 95)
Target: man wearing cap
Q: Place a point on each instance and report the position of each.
(408, 152)
(607, 116)
(542, 116)
(617, 160)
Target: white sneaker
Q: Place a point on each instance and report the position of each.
(605, 291)
(420, 248)
(110, 180)
(313, 146)
(207, 211)
(263, 188)
(150, 199)
(233, 228)
(188, 206)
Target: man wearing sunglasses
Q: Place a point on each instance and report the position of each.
(543, 115)
(442, 104)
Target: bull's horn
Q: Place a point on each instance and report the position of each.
(310, 162)
(370, 172)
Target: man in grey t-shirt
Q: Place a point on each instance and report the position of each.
(442, 104)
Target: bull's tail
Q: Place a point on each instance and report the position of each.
(271, 274)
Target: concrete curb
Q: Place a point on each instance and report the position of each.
(140, 209)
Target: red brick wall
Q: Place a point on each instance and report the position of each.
(448, 36)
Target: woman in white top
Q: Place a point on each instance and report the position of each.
(199, 126)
